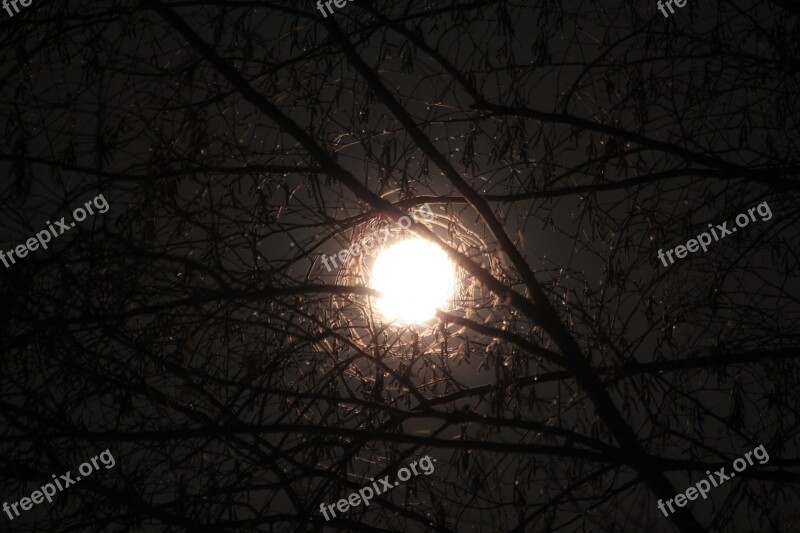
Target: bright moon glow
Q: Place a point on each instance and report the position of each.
(415, 278)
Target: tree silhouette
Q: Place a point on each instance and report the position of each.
(193, 331)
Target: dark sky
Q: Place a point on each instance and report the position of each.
(191, 332)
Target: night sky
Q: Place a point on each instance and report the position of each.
(587, 212)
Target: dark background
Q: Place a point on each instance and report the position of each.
(193, 331)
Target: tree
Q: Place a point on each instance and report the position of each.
(576, 380)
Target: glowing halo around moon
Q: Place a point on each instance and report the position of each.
(415, 278)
